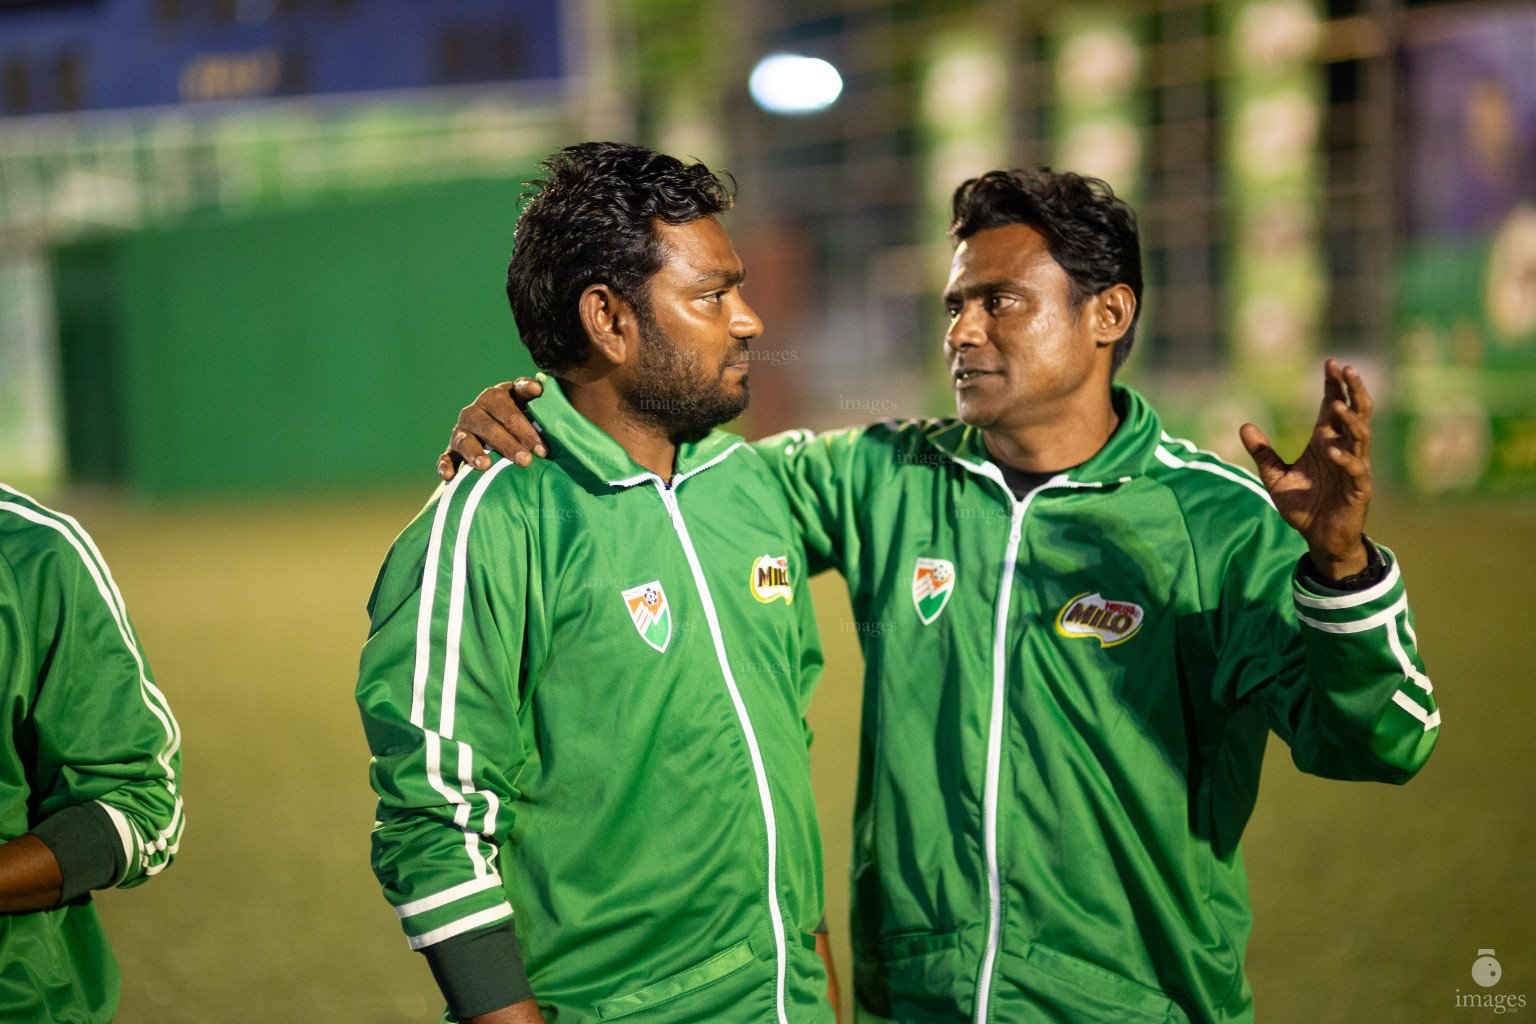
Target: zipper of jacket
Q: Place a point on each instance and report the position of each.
(995, 753)
(669, 498)
(995, 727)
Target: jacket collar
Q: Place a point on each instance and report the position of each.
(575, 438)
(1127, 453)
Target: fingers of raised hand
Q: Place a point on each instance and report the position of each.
(448, 464)
(1359, 398)
(1358, 468)
(1343, 383)
(1353, 427)
(1335, 388)
(1270, 466)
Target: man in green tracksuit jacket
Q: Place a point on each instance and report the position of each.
(1086, 631)
(90, 768)
(585, 684)
(1101, 658)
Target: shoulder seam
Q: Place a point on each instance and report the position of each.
(1214, 465)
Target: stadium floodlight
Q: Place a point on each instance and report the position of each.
(789, 83)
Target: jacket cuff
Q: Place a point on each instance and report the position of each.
(87, 846)
(480, 971)
(1326, 610)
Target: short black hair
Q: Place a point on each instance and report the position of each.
(1089, 231)
(591, 220)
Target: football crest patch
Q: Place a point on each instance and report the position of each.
(1112, 622)
(932, 584)
(649, 612)
(770, 579)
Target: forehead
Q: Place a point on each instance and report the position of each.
(1013, 252)
(696, 248)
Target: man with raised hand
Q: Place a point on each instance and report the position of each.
(90, 769)
(1088, 629)
(585, 683)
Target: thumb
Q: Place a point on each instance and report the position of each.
(1268, 462)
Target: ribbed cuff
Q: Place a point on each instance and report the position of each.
(480, 971)
(87, 846)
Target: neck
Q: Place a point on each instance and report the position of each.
(599, 402)
(1051, 439)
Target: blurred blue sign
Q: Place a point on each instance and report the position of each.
(94, 54)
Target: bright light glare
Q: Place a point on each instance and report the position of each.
(787, 83)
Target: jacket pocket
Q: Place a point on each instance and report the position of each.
(1079, 990)
(914, 978)
(722, 964)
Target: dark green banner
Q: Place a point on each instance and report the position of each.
(324, 346)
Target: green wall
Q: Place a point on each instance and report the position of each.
(329, 346)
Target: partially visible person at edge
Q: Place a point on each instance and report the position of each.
(585, 684)
(90, 767)
(1089, 629)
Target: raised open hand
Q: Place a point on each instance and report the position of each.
(1325, 493)
(496, 420)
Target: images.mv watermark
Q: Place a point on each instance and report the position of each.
(1486, 971)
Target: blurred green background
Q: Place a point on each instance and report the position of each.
(252, 258)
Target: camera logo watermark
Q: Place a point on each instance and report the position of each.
(1487, 972)
(1485, 969)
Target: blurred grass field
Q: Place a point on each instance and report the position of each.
(1370, 902)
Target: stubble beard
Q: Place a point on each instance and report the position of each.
(671, 391)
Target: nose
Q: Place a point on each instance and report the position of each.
(966, 330)
(744, 322)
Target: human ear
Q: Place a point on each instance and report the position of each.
(1111, 314)
(608, 320)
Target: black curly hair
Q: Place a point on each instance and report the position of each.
(591, 220)
(1089, 231)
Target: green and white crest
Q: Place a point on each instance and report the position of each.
(932, 584)
(649, 612)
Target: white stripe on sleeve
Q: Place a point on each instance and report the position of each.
(434, 755)
(125, 835)
(1408, 704)
(456, 598)
(1359, 597)
(467, 787)
(1358, 625)
(488, 916)
(1405, 662)
(447, 896)
(428, 594)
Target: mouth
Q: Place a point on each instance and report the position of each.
(967, 377)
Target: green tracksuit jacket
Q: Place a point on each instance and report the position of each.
(90, 761)
(1065, 709)
(585, 691)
